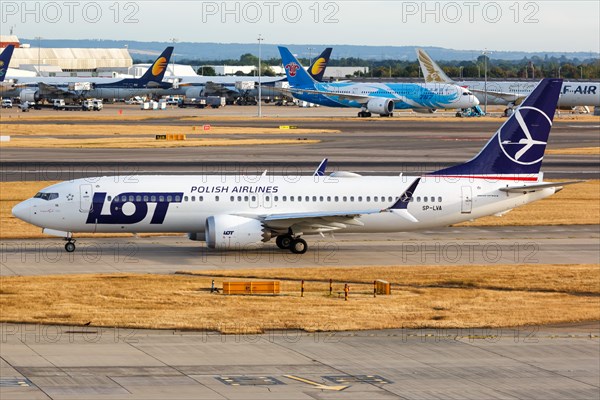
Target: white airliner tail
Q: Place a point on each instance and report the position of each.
(432, 72)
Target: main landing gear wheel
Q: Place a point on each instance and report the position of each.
(70, 246)
(364, 114)
(283, 241)
(298, 246)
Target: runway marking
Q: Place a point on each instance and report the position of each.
(317, 385)
(15, 382)
(372, 379)
(249, 380)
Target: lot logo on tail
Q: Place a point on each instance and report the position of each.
(527, 150)
(292, 68)
(159, 66)
(2, 70)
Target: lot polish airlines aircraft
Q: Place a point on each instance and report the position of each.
(572, 94)
(379, 98)
(239, 212)
(39, 88)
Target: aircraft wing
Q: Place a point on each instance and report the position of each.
(506, 96)
(50, 90)
(315, 221)
(342, 96)
(218, 89)
(312, 222)
(537, 186)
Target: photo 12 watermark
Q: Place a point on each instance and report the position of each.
(457, 12)
(61, 12)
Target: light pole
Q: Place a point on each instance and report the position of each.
(310, 49)
(485, 54)
(39, 39)
(461, 71)
(559, 71)
(173, 40)
(581, 69)
(260, 39)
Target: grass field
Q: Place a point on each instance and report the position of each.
(148, 130)
(491, 296)
(575, 205)
(142, 143)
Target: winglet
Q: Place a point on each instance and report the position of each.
(401, 206)
(320, 171)
(5, 60)
(402, 203)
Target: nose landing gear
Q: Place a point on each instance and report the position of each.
(70, 245)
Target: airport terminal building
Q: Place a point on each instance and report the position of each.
(67, 61)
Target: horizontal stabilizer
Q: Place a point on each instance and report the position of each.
(536, 186)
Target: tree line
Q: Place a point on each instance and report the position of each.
(526, 68)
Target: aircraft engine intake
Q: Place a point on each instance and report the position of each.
(30, 95)
(381, 106)
(233, 232)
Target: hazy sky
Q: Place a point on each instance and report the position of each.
(496, 25)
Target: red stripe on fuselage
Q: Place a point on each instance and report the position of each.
(490, 177)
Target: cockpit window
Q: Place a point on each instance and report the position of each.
(46, 196)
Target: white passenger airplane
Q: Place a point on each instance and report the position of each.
(237, 212)
(511, 93)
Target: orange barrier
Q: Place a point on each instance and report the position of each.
(383, 287)
(170, 136)
(253, 287)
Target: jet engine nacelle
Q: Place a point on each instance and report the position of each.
(233, 232)
(381, 106)
(29, 95)
(425, 110)
(194, 92)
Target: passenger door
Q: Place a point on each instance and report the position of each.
(466, 200)
(85, 198)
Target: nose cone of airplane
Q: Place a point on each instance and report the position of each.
(22, 211)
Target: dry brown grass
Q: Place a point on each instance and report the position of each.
(575, 205)
(571, 278)
(576, 151)
(149, 130)
(142, 143)
(183, 302)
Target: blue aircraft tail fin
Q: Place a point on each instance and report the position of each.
(320, 171)
(296, 74)
(317, 68)
(157, 70)
(5, 60)
(518, 146)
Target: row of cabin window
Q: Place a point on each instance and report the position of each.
(321, 198)
(147, 198)
(177, 198)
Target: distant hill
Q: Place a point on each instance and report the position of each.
(223, 51)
